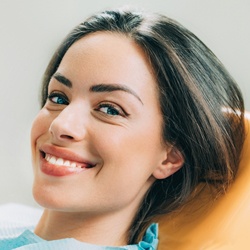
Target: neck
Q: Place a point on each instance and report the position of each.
(110, 229)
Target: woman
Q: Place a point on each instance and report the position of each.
(132, 120)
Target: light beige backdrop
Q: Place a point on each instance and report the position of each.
(30, 30)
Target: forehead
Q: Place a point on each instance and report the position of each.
(109, 56)
(112, 47)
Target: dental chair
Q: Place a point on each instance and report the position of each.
(206, 223)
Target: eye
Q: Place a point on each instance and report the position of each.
(111, 110)
(58, 98)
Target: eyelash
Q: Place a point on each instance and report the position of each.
(59, 95)
(114, 108)
(119, 111)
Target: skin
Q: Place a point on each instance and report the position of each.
(117, 130)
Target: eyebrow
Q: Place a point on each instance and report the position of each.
(62, 79)
(110, 87)
(99, 88)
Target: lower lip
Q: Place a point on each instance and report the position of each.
(54, 170)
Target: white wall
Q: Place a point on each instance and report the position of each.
(30, 30)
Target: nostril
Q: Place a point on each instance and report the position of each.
(66, 137)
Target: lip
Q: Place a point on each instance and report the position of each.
(55, 170)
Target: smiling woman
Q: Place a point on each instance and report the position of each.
(131, 122)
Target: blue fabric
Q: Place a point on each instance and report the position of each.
(28, 240)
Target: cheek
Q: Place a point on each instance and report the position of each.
(39, 127)
(131, 149)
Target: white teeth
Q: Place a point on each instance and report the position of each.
(67, 163)
(47, 157)
(52, 160)
(60, 162)
(73, 164)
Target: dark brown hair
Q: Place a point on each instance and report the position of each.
(194, 89)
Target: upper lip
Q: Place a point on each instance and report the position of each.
(65, 154)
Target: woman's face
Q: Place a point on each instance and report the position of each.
(96, 143)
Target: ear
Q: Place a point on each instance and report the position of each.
(173, 162)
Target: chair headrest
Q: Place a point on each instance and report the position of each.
(208, 223)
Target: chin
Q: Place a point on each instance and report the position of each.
(46, 197)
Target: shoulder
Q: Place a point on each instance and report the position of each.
(17, 223)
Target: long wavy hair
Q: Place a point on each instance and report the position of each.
(194, 91)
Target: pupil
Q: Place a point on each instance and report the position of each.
(60, 101)
(112, 111)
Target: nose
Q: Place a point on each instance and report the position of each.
(69, 125)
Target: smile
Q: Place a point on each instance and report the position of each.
(66, 163)
(62, 166)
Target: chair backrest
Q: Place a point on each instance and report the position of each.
(206, 223)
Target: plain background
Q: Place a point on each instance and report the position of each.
(30, 31)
